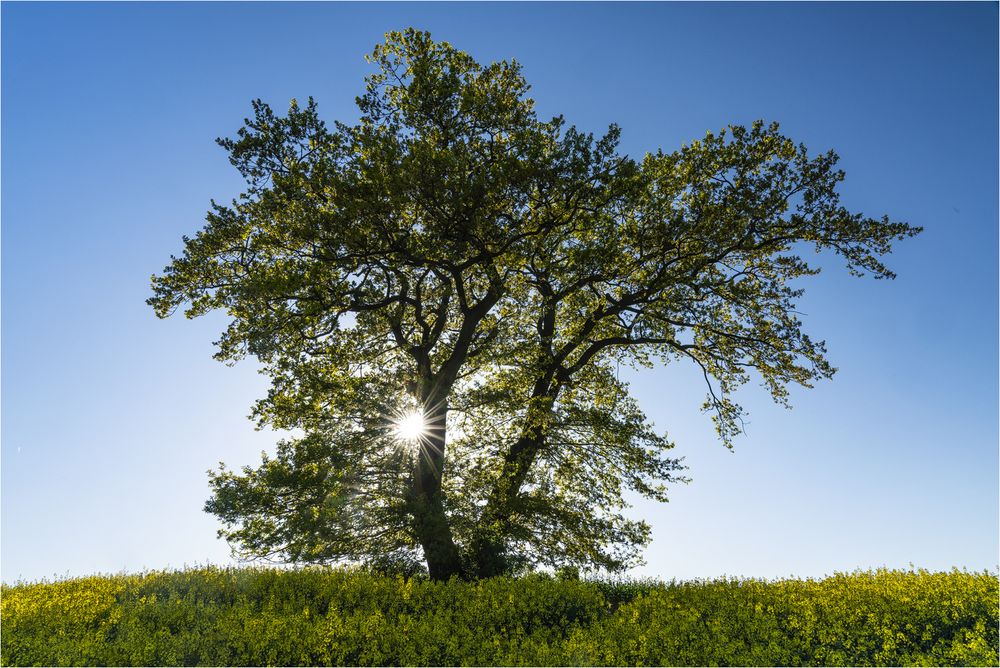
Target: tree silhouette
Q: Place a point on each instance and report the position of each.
(441, 293)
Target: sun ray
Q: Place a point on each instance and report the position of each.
(411, 426)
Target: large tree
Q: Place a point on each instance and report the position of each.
(441, 294)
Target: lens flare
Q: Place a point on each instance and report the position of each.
(411, 426)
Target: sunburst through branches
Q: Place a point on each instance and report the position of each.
(410, 426)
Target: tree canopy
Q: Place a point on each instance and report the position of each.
(452, 264)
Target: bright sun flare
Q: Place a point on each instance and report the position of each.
(411, 426)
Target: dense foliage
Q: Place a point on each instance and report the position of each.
(318, 616)
(454, 255)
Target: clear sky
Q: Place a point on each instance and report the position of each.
(110, 417)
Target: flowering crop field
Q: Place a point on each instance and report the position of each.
(251, 616)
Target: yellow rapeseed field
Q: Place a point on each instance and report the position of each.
(254, 616)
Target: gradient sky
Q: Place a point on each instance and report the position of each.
(110, 417)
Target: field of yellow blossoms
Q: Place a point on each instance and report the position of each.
(251, 616)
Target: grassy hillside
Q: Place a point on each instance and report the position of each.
(269, 617)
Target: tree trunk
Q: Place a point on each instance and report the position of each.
(487, 548)
(426, 500)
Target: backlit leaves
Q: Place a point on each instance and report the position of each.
(452, 247)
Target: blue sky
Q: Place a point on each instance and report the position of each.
(110, 418)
